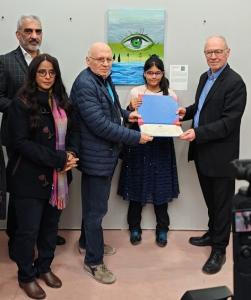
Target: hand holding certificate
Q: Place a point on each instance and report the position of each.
(159, 117)
(134, 117)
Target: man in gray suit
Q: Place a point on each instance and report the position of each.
(13, 69)
(14, 65)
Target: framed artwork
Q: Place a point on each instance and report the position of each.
(133, 36)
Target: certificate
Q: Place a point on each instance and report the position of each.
(159, 116)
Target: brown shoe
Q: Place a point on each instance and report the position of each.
(51, 279)
(32, 289)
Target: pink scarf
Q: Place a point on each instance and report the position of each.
(60, 195)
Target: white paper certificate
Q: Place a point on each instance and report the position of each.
(163, 130)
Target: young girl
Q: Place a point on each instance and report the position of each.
(149, 172)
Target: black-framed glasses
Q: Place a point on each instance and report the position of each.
(102, 60)
(44, 72)
(217, 52)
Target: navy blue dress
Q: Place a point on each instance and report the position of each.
(149, 172)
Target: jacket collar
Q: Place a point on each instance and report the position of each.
(20, 59)
(116, 107)
(103, 85)
(216, 84)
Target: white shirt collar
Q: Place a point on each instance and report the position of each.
(28, 58)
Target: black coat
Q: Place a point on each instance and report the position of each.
(33, 155)
(13, 70)
(218, 134)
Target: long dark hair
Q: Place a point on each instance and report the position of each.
(152, 61)
(28, 93)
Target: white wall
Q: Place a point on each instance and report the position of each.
(71, 26)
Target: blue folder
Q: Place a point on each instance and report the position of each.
(160, 111)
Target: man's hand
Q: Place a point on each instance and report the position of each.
(134, 116)
(188, 135)
(145, 138)
(181, 112)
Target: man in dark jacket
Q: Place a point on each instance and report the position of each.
(215, 135)
(102, 130)
(13, 70)
(14, 65)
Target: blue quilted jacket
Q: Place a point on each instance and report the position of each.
(100, 124)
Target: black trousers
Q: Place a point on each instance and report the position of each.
(37, 225)
(11, 218)
(11, 225)
(218, 193)
(134, 216)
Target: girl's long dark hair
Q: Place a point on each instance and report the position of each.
(28, 93)
(152, 61)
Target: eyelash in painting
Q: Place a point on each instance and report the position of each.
(137, 41)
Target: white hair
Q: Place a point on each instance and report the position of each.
(219, 37)
(24, 17)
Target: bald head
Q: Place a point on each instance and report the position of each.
(97, 47)
(99, 59)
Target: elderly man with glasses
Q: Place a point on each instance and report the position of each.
(214, 142)
(101, 127)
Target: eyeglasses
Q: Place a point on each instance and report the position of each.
(157, 74)
(29, 31)
(43, 73)
(102, 60)
(217, 52)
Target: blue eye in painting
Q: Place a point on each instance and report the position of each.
(137, 41)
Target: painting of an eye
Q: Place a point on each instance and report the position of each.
(134, 35)
(137, 41)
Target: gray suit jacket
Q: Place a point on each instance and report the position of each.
(13, 70)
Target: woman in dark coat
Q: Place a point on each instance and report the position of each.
(36, 171)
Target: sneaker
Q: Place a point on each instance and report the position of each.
(135, 236)
(100, 273)
(108, 250)
(161, 238)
